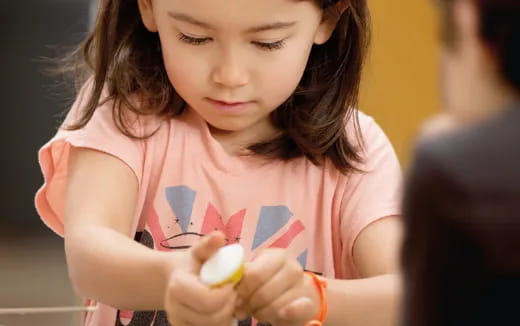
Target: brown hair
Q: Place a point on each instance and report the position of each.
(122, 56)
(499, 29)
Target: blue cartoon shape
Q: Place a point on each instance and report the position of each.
(302, 259)
(181, 199)
(272, 219)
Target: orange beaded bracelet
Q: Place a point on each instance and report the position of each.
(321, 285)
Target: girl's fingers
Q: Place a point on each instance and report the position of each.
(270, 312)
(275, 287)
(296, 306)
(207, 246)
(224, 316)
(187, 289)
(175, 315)
(296, 309)
(259, 271)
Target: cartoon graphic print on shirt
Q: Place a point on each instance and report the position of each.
(181, 200)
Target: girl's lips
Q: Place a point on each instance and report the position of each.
(227, 103)
(229, 107)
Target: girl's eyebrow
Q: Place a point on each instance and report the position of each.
(262, 28)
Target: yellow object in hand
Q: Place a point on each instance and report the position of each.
(226, 266)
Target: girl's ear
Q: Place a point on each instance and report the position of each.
(146, 10)
(330, 19)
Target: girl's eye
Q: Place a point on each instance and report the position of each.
(270, 46)
(193, 40)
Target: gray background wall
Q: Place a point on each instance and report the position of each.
(30, 31)
(32, 265)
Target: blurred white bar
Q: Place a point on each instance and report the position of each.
(44, 310)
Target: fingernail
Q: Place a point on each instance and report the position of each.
(239, 302)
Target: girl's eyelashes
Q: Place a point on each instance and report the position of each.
(193, 40)
(268, 46)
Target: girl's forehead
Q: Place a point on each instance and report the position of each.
(240, 12)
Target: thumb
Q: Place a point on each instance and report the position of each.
(207, 246)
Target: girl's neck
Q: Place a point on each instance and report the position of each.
(237, 142)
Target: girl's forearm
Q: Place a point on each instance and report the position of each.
(365, 302)
(109, 267)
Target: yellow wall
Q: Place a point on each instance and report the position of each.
(400, 84)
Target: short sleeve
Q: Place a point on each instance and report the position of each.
(372, 194)
(101, 134)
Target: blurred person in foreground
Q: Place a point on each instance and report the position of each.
(461, 252)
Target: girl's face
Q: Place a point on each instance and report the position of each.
(235, 61)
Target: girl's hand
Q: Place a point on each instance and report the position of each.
(274, 289)
(188, 301)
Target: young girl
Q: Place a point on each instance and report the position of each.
(232, 116)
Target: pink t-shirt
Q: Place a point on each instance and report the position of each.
(189, 186)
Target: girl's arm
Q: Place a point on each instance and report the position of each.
(374, 299)
(104, 262)
(275, 290)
